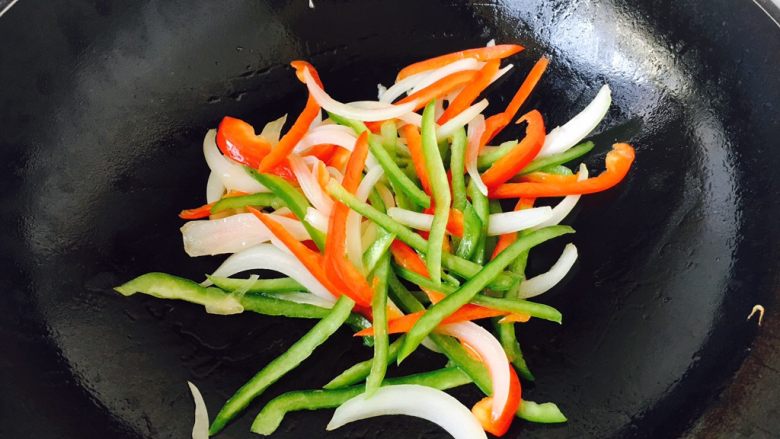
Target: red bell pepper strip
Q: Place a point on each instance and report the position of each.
(287, 143)
(494, 124)
(322, 152)
(618, 163)
(339, 159)
(483, 409)
(335, 245)
(439, 88)
(414, 142)
(470, 92)
(508, 238)
(518, 157)
(480, 54)
(237, 140)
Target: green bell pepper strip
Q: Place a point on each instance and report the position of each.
(280, 285)
(376, 201)
(494, 206)
(359, 371)
(459, 266)
(271, 416)
(440, 188)
(404, 298)
(283, 364)
(506, 331)
(389, 135)
(168, 286)
(545, 413)
(357, 126)
(379, 316)
(457, 168)
(255, 200)
(482, 208)
(520, 306)
(398, 179)
(295, 201)
(486, 159)
(508, 339)
(377, 249)
(558, 159)
(472, 230)
(468, 291)
(557, 170)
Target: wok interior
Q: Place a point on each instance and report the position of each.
(108, 129)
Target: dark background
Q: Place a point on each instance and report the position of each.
(103, 108)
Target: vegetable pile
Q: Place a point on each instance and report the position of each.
(390, 221)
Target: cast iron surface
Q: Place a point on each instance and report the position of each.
(104, 105)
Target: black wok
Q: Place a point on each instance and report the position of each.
(103, 108)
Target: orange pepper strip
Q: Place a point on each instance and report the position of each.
(310, 112)
(205, 210)
(455, 223)
(414, 142)
(518, 157)
(237, 140)
(471, 92)
(439, 88)
(618, 163)
(497, 122)
(405, 323)
(335, 245)
(339, 159)
(544, 177)
(508, 238)
(483, 409)
(374, 126)
(480, 54)
(310, 259)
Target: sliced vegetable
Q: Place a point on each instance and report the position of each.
(293, 199)
(558, 159)
(269, 419)
(379, 317)
(398, 179)
(283, 364)
(200, 428)
(515, 160)
(481, 54)
(237, 140)
(440, 310)
(618, 163)
(572, 132)
(411, 400)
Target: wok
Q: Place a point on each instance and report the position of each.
(103, 108)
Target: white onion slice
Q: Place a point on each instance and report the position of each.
(354, 243)
(501, 72)
(572, 132)
(330, 134)
(514, 221)
(232, 174)
(442, 72)
(438, 108)
(411, 400)
(475, 130)
(268, 257)
(545, 281)
(461, 119)
(232, 234)
(304, 298)
(386, 196)
(214, 188)
(401, 87)
(350, 111)
(200, 428)
(380, 90)
(492, 354)
(309, 185)
(317, 219)
(491, 43)
(410, 218)
(368, 235)
(272, 131)
(335, 174)
(565, 206)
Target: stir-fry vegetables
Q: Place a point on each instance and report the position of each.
(388, 221)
